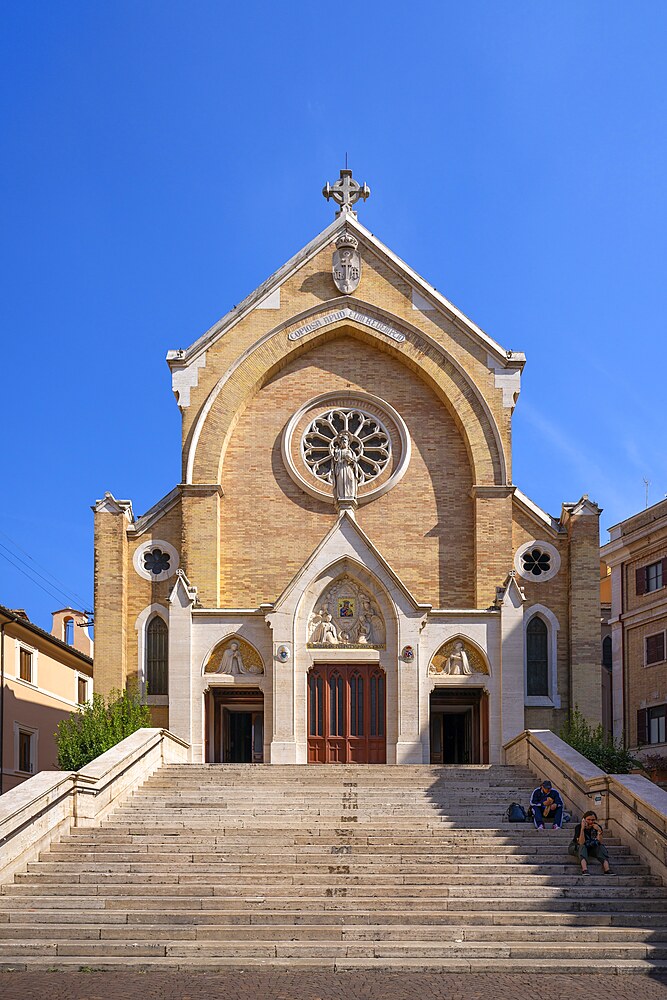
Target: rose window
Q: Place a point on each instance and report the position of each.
(368, 439)
(156, 561)
(536, 562)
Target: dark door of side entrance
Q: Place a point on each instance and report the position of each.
(346, 714)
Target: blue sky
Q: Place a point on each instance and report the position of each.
(161, 159)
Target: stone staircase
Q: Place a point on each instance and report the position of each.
(345, 867)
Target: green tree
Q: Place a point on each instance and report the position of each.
(601, 749)
(98, 726)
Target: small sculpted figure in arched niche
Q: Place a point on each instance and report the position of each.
(457, 661)
(232, 661)
(346, 468)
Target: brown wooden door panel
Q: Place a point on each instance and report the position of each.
(346, 714)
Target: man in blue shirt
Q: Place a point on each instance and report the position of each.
(547, 806)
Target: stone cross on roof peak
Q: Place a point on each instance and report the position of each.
(346, 192)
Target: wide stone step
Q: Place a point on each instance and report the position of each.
(249, 841)
(352, 863)
(245, 918)
(400, 964)
(582, 895)
(593, 950)
(314, 856)
(229, 933)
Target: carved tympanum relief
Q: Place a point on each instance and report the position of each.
(457, 658)
(234, 657)
(346, 615)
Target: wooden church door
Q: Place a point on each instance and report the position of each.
(347, 714)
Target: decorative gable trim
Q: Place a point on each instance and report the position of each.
(424, 296)
(109, 505)
(186, 377)
(346, 540)
(536, 512)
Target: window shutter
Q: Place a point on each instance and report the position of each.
(642, 727)
(664, 572)
(655, 648)
(640, 577)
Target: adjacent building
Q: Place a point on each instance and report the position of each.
(45, 676)
(637, 557)
(346, 571)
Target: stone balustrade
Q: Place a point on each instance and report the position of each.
(44, 808)
(632, 808)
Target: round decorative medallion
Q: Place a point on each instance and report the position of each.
(283, 654)
(537, 561)
(155, 560)
(408, 653)
(375, 435)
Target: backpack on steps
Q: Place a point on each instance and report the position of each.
(516, 813)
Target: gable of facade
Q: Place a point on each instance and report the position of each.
(426, 399)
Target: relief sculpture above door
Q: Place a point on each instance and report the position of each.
(346, 615)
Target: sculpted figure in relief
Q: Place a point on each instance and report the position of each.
(325, 631)
(457, 662)
(346, 616)
(365, 629)
(346, 468)
(232, 661)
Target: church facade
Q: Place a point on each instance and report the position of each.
(346, 571)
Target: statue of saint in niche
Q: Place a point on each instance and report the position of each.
(457, 662)
(232, 661)
(346, 468)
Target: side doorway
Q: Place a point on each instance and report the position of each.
(235, 726)
(459, 726)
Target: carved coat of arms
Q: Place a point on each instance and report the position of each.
(346, 263)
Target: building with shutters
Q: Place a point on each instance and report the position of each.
(345, 570)
(44, 678)
(637, 556)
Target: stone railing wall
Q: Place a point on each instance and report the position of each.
(632, 808)
(45, 807)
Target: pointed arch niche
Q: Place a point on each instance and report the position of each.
(346, 616)
(540, 650)
(459, 657)
(235, 658)
(152, 627)
(205, 449)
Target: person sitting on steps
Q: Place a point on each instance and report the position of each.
(587, 843)
(547, 805)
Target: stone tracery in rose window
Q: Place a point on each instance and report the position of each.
(369, 440)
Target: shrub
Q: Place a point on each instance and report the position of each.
(601, 749)
(98, 726)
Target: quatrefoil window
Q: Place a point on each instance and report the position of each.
(369, 440)
(536, 562)
(156, 561)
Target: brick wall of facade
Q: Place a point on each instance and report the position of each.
(423, 526)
